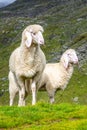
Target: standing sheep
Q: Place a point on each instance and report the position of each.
(27, 63)
(56, 75)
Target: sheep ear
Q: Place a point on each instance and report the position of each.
(29, 39)
(65, 61)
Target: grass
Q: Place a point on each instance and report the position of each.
(44, 116)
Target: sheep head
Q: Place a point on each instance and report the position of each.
(69, 57)
(33, 34)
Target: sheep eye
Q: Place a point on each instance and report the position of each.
(68, 54)
(34, 33)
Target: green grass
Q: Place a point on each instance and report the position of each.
(44, 116)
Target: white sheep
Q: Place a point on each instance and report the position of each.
(26, 64)
(56, 75)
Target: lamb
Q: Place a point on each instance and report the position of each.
(26, 64)
(57, 75)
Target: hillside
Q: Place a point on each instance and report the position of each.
(65, 25)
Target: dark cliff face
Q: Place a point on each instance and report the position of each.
(33, 8)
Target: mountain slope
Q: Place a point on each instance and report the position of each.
(65, 25)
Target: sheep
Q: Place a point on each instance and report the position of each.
(26, 64)
(57, 75)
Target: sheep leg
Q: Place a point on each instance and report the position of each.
(51, 99)
(33, 89)
(21, 92)
(21, 97)
(22, 102)
(12, 96)
(51, 94)
(13, 87)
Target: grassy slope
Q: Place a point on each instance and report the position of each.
(44, 116)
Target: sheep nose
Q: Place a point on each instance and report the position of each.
(76, 61)
(41, 42)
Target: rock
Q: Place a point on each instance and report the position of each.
(75, 99)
